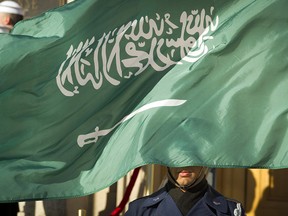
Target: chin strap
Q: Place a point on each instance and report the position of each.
(196, 180)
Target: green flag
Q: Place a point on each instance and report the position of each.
(95, 88)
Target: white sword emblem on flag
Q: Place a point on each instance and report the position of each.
(93, 137)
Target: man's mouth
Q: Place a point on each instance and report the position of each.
(185, 173)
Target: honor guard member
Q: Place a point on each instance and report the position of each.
(10, 13)
(187, 193)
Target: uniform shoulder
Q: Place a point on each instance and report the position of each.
(136, 207)
(235, 201)
(235, 206)
(154, 197)
(224, 204)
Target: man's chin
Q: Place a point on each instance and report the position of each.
(184, 182)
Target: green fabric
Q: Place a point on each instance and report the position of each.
(95, 88)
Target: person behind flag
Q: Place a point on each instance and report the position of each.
(186, 193)
(10, 13)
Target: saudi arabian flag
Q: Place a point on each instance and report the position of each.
(95, 88)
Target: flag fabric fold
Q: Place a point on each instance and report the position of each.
(94, 89)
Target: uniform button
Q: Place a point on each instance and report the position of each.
(155, 199)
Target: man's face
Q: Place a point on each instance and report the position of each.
(4, 19)
(1, 19)
(185, 175)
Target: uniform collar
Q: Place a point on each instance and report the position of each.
(156, 198)
(164, 202)
(216, 201)
(4, 29)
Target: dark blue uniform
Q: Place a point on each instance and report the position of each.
(161, 204)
